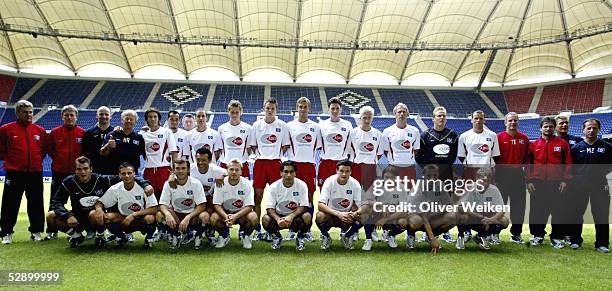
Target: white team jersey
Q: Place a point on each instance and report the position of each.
(366, 145)
(478, 149)
(269, 138)
(128, 201)
(335, 139)
(400, 144)
(158, 145)
(184, 198)
(234, 197)
(305, 140)
(340, 197)
(234, 141)
(181, 143)
(208, 179)
(491, 196)
(203, 139)
(287, 200)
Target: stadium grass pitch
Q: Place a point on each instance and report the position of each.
(507, 266)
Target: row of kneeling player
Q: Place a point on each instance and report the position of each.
(189, 211)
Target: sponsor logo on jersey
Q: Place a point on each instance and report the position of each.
(334, 138)
(406, 144)
(237, 203)
(235, 140)
(204, 146)
(441, 149)
(134, 207)
(304, 138)
(521, 141)
(268, 138)
(366, 146)
(349, 192)
(210, 137)
(291, 205)
(187, 202)
(88, 201)
(160, 136)
(484, 148)
(154, 147)
(601, 150)
(344, 203)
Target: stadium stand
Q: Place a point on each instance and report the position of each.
(461, 103)
(416, 100)
(181, 95)
(7, 84)
(353, 98)
(8, 115)
(53, 118)
(62, 92)
(577, 97)
(287, 96)
(22, 86)
(519, 100)
(250, 96)
(497, 97)
(126, 95)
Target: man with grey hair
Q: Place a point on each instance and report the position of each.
(510, 177)
(125, 145)
(22, 147)
(64, 148)
(93, 140)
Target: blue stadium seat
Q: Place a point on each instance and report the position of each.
(250, 96)
(219, 120)
(461, 103)
(22, 86)
(62, 92)
(353, 98)
(497, 97)
(127, 95)
(416, 100)
(287, 96)
(51, 119)
(196, 93)
(495, 125)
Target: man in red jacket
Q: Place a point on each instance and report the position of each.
(64, 148)
(22, 147)
(550, 158)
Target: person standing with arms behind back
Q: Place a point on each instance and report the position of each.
(23, 148)
(93, 140)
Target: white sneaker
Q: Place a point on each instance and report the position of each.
(391, 241)
(367, 245)
(222, 242)
(197, 242)
(290, 235)
(246, 242)
(174, 242)
(36, 236)
(410, 241)
(348, 242)
(495, 239)
(375, 236)
(460, 243)
(385, 235)
(7, 239)
(423, 237)
(355, 236)
(603, 249)
(325, 242)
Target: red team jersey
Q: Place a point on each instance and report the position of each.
(513, 149)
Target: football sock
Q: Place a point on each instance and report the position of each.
(324, 228)
(225, 232)
(115, 228)
(355, 226)
(150, 229)
(369, 228)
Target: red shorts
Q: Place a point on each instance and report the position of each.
(327, 168)
(245, 169)
(265, 172)
(157, 177)
(307, 173)
(365, 174)
(409, 171)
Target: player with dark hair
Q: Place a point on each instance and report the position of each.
(174, 118)
(547, 175)
(269, 140)
(335, 139)
(182, 208)
(203, 136)
(287, 207)
(83, 188)
(128, 208)
(233, 204)
(188, 122)
(592, 158)
(161, 150)
(510, 177)
(339, 206)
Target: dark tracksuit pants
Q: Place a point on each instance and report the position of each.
(511, 184)
(599, 196)
(14, 186)
(545, 202)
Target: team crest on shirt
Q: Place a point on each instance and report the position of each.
(343, 129)
(160, 136)
(366, 147)
(187, 202)
(311, 129)
(291, 205)
(449, 140)
(190, 192)
(374, 138)
(99, 192)
(180, 139)
(79, 140)
(278, 129)
(349, 192)
(304, 138)
(240, 192)
(242, 131)
(138, 197)
(521, 141)
(268, 138)
(238, 203)
(210, 137)
(488, 139)
(296, 193)
(601, 150)
(557, 149)
(36, 137)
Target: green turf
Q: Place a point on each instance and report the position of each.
(504, 267)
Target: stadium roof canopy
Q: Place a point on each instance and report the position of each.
(404, 41)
